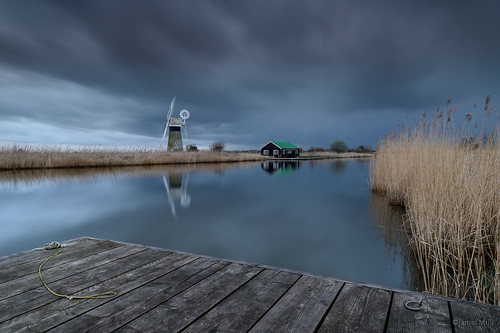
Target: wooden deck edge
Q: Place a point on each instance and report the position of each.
(42, 246)
(283, 269)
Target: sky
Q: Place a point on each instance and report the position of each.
(309, 72)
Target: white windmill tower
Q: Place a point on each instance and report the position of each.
(173, 126)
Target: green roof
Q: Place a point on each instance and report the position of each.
(285, 145)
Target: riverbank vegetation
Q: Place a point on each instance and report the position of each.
(341, 147)
(330, 154)
(448, 179)
(40, 157)
(47, 157)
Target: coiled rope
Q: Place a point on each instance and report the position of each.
(56, 245)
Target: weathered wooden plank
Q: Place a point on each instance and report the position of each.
(180, 310)
(74, 284)
(58, 270)
(434, 316)
(72, 251)
(241, 310)
(122, 310)
(63, 310)
(471, 317)
(358, 309)
(301, 308)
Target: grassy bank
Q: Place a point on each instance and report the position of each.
(448, 179)
(18, 158)
(331, 154)
(36, 157)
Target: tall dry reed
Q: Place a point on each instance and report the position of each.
(448, 179)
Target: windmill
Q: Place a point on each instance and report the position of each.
(173, 126)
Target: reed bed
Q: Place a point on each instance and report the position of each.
(36, 157)
(448, 180)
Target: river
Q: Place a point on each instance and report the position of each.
(311, 216)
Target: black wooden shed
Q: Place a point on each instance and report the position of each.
(280, 149)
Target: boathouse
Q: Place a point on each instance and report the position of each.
(280, 149)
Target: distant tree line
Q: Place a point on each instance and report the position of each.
(216, 146)
(339, 146)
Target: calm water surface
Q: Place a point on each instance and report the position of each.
(315, 216)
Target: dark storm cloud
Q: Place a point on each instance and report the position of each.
(249, 71)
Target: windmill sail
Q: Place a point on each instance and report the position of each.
(184, 114)
(169, 115)
(170, 199)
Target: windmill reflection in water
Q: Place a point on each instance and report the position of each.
(176, 187)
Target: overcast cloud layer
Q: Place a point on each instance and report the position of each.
(309, 72)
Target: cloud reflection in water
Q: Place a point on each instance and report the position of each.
(315, 217)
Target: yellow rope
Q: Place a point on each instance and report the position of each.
(55, 245)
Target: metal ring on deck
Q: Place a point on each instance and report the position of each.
(414, 308)
(53, 245)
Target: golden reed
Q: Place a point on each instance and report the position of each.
(448, 179)
(31, 157)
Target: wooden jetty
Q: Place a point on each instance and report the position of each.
(167, 291)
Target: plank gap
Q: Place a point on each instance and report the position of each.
(286, 291)
(388, 313)
(329, 308)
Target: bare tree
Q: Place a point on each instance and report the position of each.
(192, 148)
(218, 146)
